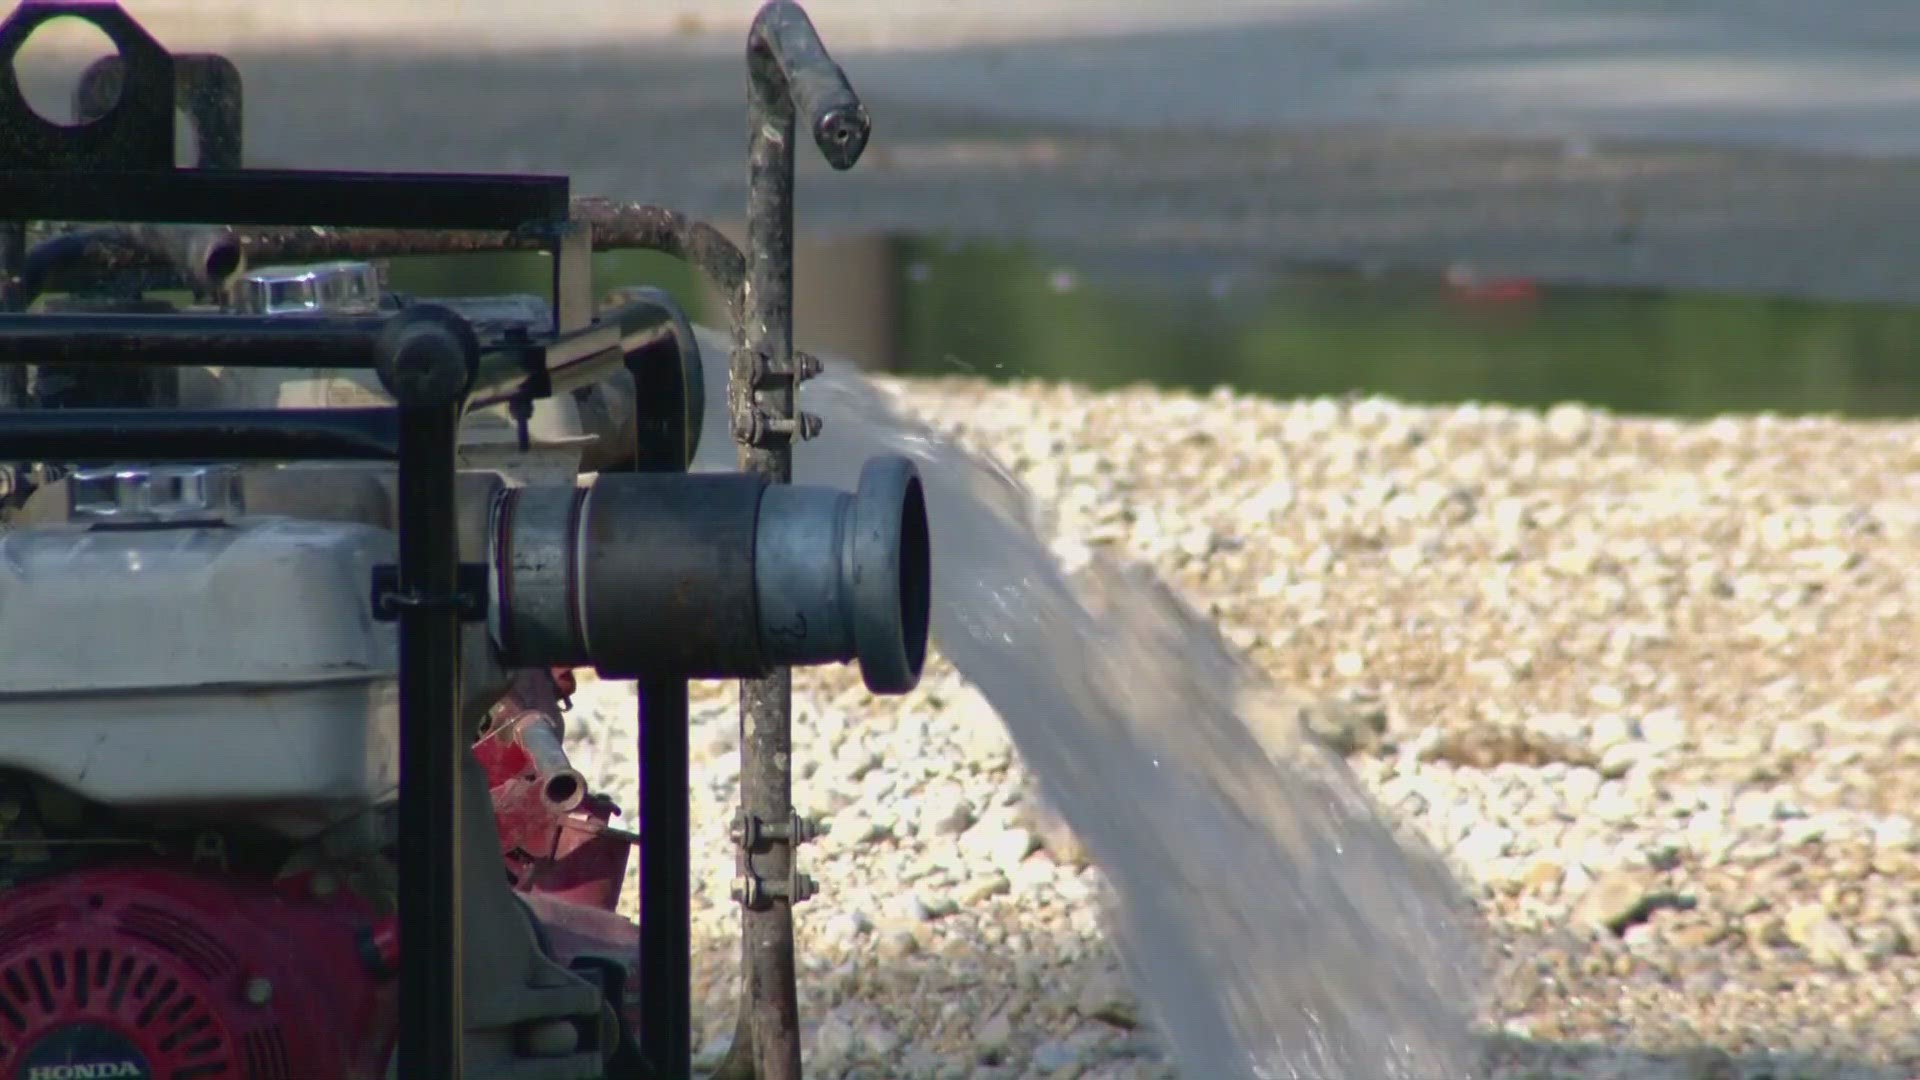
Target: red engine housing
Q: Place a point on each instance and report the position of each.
(151, 973)
(155, 972)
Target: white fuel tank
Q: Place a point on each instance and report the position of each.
(173, 663)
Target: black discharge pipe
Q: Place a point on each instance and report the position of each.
(788, 69)
(715, 575)
(429, 365)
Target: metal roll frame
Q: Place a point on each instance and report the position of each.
(116, 169)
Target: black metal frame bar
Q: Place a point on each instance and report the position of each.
(105, 435)
(664, 445)
(432, 1034)
(288, 197)
(536, 366)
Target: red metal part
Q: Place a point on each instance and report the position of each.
(577, 857)
(567, 865)
(503, 760)
(574, 855)
(186, 974)
(578, 931)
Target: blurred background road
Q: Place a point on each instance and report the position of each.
(1756, 145)
(1676, 205)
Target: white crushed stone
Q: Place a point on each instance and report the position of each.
(1649, 682)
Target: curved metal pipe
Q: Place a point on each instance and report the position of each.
(791, 70)
(209, 257)
(205, 257)
(562, 787)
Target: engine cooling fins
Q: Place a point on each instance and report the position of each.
(62, 1004)
(113, 974)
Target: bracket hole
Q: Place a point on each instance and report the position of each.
(50, 62)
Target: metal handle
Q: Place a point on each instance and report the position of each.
(783, 41)
(787, 67)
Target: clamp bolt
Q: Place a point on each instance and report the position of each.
(750, 892)
(746, 891)
(803, 889)
(750, 832)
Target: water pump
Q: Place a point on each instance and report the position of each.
(295, 571)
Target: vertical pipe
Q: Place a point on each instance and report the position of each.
(432, 1017)
(788, 72)
(666, 885)
(766, 705)
(666, 857)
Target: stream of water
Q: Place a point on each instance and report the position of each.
(1271, 922)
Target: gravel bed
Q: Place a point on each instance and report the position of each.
(1645, 681)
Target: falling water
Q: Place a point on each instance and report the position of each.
(1271, 922)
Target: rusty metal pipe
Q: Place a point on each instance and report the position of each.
(788, 70)
(209, 257)
(204, 258)
(616, 226)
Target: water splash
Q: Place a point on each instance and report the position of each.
(1271, 922)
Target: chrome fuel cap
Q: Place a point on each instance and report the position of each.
(153, 493)
(331, 288)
